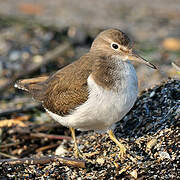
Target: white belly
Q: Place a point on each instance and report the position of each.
(103, 107)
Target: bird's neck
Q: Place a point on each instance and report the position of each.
(112, 73)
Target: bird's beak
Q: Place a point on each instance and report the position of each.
(135, 57)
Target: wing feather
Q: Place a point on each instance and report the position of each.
(63, 91)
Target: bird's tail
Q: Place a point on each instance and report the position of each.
(34, 86)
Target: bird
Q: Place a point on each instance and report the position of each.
(93, 92)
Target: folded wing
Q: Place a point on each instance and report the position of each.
(63, 91)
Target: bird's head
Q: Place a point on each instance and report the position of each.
(114, 42)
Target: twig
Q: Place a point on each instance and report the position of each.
(50, 136)
(7, 155)
(45, 160)
(46, 147)
(49, 56)
(9, 145)
(20, 118)
(14, 121)
(176, 66)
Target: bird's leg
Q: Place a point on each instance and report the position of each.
(76, 150)
(122, 148)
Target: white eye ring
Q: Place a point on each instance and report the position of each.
(114, 46)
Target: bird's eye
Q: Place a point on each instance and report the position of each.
(115, 46)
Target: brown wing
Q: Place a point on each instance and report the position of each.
(66, 89)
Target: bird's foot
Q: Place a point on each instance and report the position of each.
(78, 154)
(122, 152)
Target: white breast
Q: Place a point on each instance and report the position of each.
(104, 107)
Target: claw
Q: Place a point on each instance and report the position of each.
(122, 152)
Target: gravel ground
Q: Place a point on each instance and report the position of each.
(150, 132)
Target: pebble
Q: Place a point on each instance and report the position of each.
(100, 161)
(155, 176)
(171, 44)
(48, 36)
(79, 178)
(14, 55)
(151, 144)
(134, 173)
(37, 59)
(60, 150)
(152, 94)
(25, 55)
(43, 117)
(164, 155)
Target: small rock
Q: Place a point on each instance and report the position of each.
(43, 117)
(60, 150)
(134, 173)
(79, 178)
(155, 176)
(37, 59)
(164, 155)
(25, 55)
(151, 144)
(14, 55)
(152, 94)
(100, 161)
(48, 36)
(171, 44)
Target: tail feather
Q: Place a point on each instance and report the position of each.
(34, 86)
